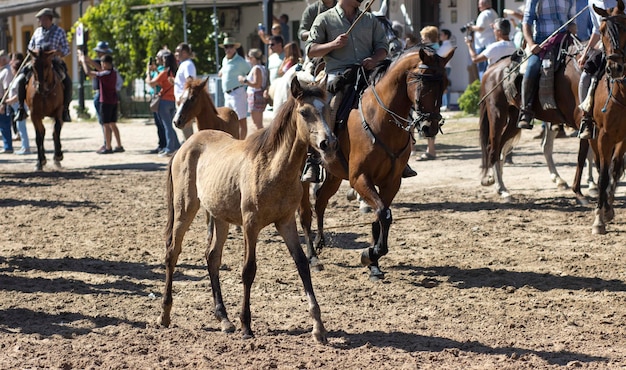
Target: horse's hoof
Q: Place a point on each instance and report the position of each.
(376, 274)
(609, 215)
(38, 167)
(351, 195)
(364, 207)
(593, 192)
(163, 321)
(365, 257)
(582, 201)
(598, 230)
(487, 181)
(247, 335)
(227, 326)
(320, 336)
(57, 164)
(562, 186)
(315, 264)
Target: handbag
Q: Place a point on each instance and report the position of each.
(154, 103)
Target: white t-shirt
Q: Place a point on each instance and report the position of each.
(486, 36)
(497, 50)
(443, 50)
(186, 69)
(273, 64)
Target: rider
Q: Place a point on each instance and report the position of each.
(47, 37)
(366, 45)
(541, 20)
(592, 62)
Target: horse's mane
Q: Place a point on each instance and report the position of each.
(379, 71)
(269, 139)
(195, 84)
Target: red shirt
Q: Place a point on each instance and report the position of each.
(167, 88)
(107, 79)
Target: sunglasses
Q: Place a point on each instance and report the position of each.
(272, 44)
(229, 46)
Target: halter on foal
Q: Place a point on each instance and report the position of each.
(376, 145)
(608, 113)
(44, 97)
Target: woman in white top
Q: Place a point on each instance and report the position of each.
(256, 80)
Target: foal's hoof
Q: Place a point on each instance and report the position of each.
(366, 260)
(598, 230)
(376, 274)
(320, 336)
(163, 321)
(364, 207)
(351, 195)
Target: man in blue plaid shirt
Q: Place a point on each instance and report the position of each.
(541, 19)
(47, 37)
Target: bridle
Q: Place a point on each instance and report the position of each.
(42, 85)
(418, 116)
(613, 29)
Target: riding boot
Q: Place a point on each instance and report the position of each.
(67, 99)
(312, 170)
(587, 128)
(408, 172)
(21, 114)
(526, 113)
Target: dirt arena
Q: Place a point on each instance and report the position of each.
(471, 283)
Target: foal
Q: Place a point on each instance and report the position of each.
(252, 183)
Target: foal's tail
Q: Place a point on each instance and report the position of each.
(169, 198)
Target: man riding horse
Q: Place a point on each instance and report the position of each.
(541, 20)
(329, 38)
(47, 37)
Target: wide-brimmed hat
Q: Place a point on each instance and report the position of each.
(103, 47)
(47, 11)
(230, 41)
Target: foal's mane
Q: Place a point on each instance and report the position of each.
(199, 84)
(269, 139)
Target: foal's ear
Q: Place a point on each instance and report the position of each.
(204, 81)
(322, 83)
(296, 89)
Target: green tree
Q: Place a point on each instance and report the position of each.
(137, 34)
(468, 101)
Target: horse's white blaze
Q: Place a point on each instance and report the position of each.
(183, 97)
(319, 105)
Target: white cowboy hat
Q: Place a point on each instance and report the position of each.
(230, 41)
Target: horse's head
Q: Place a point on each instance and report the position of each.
(44, 78)
(426, 82)
(613, 33)
(190, 103)
(312, 114)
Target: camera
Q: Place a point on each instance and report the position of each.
(152, 61)
(467, 29)
(261, 27)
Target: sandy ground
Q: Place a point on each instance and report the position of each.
(471, 283)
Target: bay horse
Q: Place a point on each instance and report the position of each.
(375, 145)
(251, 183)
(498, 122)
(196, 103)
(608, 113)
(44, 98)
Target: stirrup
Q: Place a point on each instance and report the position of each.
(587, 129)
(20, 115)
(311, 173)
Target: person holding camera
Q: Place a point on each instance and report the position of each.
(497, 50)
(481, 32)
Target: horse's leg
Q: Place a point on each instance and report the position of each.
(306, 218)
(583, 154)
(604, 158)
(289, 233)
(501, 189)
(213, 257)
(617, 169)
(592, 187)
(183, 204)
(324, 193)
(547, 145)
(40, 133)
(248, 273)
(56, 136)
(380, 227)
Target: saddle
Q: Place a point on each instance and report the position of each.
(552, 61)
(350, 84)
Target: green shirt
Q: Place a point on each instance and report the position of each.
(366, 37)
(231, 70)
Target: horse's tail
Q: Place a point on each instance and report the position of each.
(485, 145)
(169, 198)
